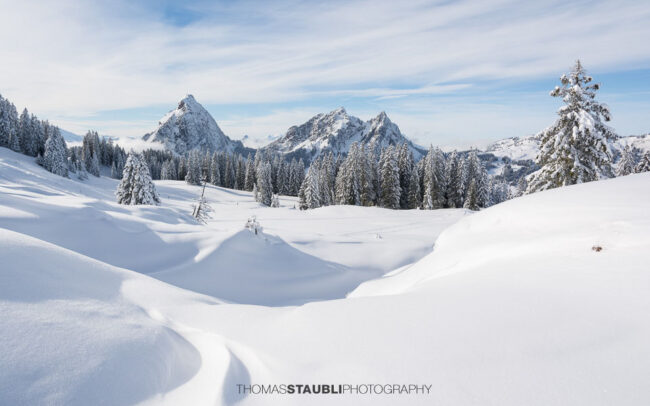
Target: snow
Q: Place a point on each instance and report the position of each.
(190, 126)
(523, 148)
(511, 307)
(336, 131)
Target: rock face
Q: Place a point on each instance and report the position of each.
(335, 132)
(189, 127)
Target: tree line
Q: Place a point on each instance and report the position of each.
(390, 177)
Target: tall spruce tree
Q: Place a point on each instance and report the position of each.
(264, 183)
(136, 186)
(471, 200)
(9, 125)
(249, 181)
(454, 175)
(626, 164)
(575, 149)
(55, 158)
(309, 194)
(193, 176)
(390, 179)
(414, 195)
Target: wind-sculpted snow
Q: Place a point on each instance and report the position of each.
(539, 300)
(69, 336)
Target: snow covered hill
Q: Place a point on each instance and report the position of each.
(189, 127)
(513, 306)
(335, 132)
(70, 137)
(526, 148)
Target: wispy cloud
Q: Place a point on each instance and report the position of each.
(70, 59)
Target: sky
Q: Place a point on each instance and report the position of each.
(449, 73)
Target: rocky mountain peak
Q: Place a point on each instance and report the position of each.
(190, 126)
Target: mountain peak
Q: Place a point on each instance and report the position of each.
(381, 117)
(190, 126)
(189, 102)
(335, 132)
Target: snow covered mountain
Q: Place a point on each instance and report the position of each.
(70, 137)
(335, 132)
(523, 148)
(189, 127)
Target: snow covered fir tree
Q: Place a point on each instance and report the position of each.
(136, 186)
(576, 148)
(55, 157)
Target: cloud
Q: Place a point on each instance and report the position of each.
(72, 59)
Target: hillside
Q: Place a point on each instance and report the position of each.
(512, 302)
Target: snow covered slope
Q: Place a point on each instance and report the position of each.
(512, 307)
(335, 132)
(70, 137)
(332, 249)
(522, 148)
(189, 127)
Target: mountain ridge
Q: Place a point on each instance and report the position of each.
(335, 132)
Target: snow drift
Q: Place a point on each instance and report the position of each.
(512, 307)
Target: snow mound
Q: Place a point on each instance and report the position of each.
(264, 270)
(70, 336)
(560, 229)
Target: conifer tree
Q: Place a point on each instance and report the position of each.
(8, 125)
(14, 141)
(249, 181)
(454, 175)
(264, 183)
(168, 171)
(90, 152)
(644, 163)
(414, 196)
(28, 141)
(369, 176)
(471, 200)
(433, 182)
(136, 186)
(405, 165)
(626, 164)
(348, 178)
(55, 158)
(575, 149)
(309, 194)
(193, 176)
(215, 174)
(390, 183)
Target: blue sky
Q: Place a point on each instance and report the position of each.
(450, 73)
